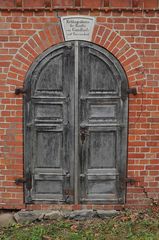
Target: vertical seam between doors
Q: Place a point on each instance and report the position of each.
(76, 123)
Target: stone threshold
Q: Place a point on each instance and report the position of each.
(38, 215)
(26, 217)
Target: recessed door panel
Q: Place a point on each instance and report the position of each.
(49, 112)
(51, 76)
(49, 149)
(101, 155)
(102, 111)
(101, 77)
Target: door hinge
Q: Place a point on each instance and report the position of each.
(130, 180)
(26, 180)
(20, 91)
(132, 91)
(125, 92)
(20, 180)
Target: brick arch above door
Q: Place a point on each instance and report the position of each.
(102, 36)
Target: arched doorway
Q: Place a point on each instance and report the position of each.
(75, 126)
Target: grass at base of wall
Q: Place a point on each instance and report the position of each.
(136, 225)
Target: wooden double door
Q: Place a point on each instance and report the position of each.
(75, 126)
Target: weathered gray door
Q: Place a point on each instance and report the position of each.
(75, 126)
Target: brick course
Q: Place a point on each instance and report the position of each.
(129, 30)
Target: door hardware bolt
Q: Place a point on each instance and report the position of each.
(20, 180)
(67, 199)
(20, 90)
(82, 175)
(130, 180)
(67, 174)
(132, 91)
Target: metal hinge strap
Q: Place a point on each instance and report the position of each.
(20, 90)
(27, 180)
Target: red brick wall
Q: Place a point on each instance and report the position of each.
(145, 4)
(131, 33)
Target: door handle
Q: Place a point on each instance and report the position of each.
(83, 133)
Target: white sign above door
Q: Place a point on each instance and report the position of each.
(77, 27)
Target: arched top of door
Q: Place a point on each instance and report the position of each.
(99, 58)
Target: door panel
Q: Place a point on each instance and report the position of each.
(101, 155)
(49, 112)
(50, 77)
(50, 127)
(99, 161)
(101, 78)
(49, 149)
(76, 126)
(101, 110)
(101, 123)
(49, 162)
